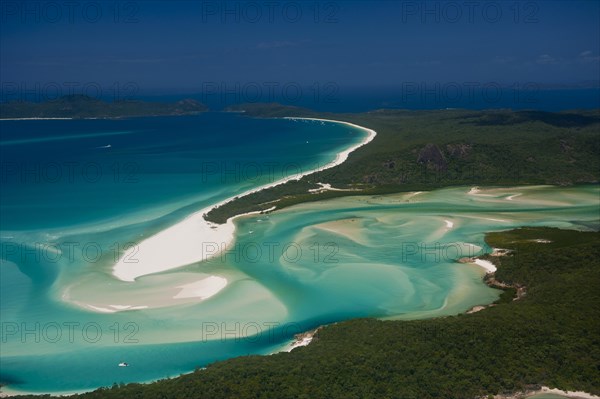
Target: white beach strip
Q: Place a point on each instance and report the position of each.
(128, 307)
(511, 197)
(194, 239)
(300, 340)
(570, 394)
(547, 390)
(449, 224)
(342, 156)
(181, 244)
(496, 220)
(99, 309)
(296, 344)
(486, 264)
(9, 393)
(202, 289)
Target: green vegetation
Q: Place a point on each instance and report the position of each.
(424, 150)
(80, 106)
(549, 337)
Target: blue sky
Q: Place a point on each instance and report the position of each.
(185, 44)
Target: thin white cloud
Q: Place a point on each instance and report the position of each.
(546, 59)
(275, 44)
(588, 56)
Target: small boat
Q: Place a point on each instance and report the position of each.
(123, 364)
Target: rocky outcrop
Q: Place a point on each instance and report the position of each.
(432, 156)
(458, 150)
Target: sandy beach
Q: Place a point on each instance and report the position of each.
(486, 264)
(300, 340)
(547, 390)
(203, 289)
(194, 239)
(569, 394)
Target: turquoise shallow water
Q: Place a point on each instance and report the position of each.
(289, 271)
(74, 193)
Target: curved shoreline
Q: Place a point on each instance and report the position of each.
(195, 239)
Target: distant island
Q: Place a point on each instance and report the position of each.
(82, 107)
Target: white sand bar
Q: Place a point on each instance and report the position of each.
(486, 264)
(202, 289)
(194, 239)
(570, 394)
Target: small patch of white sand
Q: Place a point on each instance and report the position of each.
(486, 264)
(203, 289)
